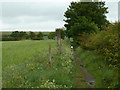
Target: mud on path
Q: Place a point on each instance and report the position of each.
(82, 78)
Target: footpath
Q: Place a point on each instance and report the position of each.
(82, 78)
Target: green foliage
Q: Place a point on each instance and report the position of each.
(19, 35)
(94, 12)
(62, 31)
(106, 44)
(52, 84)
(16, 52)
(32, 36)
(16, 36)
(83, 26)
(45, 36)
(40, 36)
(83, 40)
(31, 69)
(104, 76)
(79, 29)
(49, 84)
(52, 35)
(35, 36)
(80, 20)
(23, 67)
(7, 38)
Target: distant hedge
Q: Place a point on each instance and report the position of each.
(7, 38)
(16, 36)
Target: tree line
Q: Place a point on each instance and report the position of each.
(21, 35)
(16, 36)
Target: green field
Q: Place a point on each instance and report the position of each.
(26, 65)
(20, 51)
(19, 57)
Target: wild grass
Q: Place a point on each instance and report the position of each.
(104, 76)
(16, 52)
(26, 65)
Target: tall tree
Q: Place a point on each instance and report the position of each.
(85, 17)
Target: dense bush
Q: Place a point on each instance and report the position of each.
(7, 38)
(40, 36)
(34, 36)
(16, 36)
(52, 35)
(106, 44)
(83, 39)
(19, 35)
(62, 31)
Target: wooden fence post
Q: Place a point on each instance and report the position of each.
(58, 31)
(50, 60)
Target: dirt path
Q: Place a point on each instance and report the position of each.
(83, 79)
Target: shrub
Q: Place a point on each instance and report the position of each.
(104, 76)
(105, 43)
(51, 35)
(7, 38)
(34, 36)
(84, 39)
(19, 35)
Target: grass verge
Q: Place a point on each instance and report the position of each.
(104, 76)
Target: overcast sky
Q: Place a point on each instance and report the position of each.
(45, 15)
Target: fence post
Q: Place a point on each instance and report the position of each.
(50, 60)
(58, 31)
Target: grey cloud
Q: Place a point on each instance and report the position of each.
(43, 15)
(49, 25)
(28, 19)
(14, 12)
(113, 11)
(14, 9)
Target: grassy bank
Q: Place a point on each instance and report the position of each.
(105, 77)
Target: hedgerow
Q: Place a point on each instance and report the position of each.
(106, 44)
